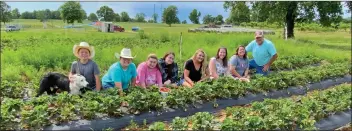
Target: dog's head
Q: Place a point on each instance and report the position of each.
(79, 81)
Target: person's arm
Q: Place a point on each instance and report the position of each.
(246, 73)
(186, 77)
(159, 79)
(116, 78)
(249, 47)
(233, 63)
(98, 83)
(207, 75)
(212, 68)
(134, 75)
(97, 79)
(273, 53)
(272, 60)
(174, 78)
(141, 71)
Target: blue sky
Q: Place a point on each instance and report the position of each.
(184, 8)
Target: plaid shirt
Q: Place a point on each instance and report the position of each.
(164, 71)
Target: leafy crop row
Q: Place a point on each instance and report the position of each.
(45, 110)
(299, 112)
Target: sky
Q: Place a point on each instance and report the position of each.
(132, 8)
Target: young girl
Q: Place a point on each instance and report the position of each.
(169, 69)
(218, 64)
(85, 65)
(148, 73)
(195, 69)
(239, 65)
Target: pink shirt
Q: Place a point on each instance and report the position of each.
(148, 76)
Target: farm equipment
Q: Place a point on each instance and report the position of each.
(108, 27)
(119, 28)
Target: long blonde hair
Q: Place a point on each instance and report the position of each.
(204, 62)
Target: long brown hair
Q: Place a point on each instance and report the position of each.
(204, 62)
(169, 68)
(224, 61)
(245, 52)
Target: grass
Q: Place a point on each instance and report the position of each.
(52, 48)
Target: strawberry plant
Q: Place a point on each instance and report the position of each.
(202, 121)
(179, 123)
(157, 126)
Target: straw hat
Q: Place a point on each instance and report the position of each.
(125, 53)
(83, 45)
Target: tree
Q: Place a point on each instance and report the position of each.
(92, 17)
(15, 14)
(55, 14)
(71, 11)
(107, 13)
(34, 16)
(348, 4)
(239, 11)
(289, 11)
(170, 15)
(184, 22)
(5, 12)
(140, 17)
(219, 20)
(207, 19)
(43, 15)
(194, 16)
(125, 17)
(155, 17)
(84, 14)
(27, 15)
(117, 17)
(151, 21)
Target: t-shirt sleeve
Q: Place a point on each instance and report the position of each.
(188, 65)
(96, 69)
(115, 75)
(233, 61)
(134, 71)
(73, 67)
(249, 47)
(141, 73)
(272, 49)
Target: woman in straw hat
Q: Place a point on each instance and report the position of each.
(122, 73)
(149, 73)
(85, 65)
(196, 69)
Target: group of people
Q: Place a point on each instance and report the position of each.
(164, 71)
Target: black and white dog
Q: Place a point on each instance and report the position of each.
(61, 82)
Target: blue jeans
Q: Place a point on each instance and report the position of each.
(258, 69)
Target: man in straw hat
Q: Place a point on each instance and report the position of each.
(121, 74)
(85, 65)
(264, 53)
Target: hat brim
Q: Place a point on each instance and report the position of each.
(77, 47)
(117, 55)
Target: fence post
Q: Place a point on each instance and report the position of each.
(181, 46)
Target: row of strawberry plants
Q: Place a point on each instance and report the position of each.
(294, 62)
(298, 112)
(46, 110)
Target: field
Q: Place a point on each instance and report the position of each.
(30, 53)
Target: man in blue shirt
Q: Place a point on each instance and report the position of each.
(264, 53)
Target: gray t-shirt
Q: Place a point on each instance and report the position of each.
(240, 64)
(88, 70)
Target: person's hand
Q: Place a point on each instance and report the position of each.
(167, 82)
(266, 67)
(124, 103)
(121, 93)
(70, 79)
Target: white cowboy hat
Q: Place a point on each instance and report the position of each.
(125, 53)
(84, 45)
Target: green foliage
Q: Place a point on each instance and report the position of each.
(194, 16)
(202, 121)
(71, 11)
(15, 14)
(157, 126)
(140, 17)
(170, 15)
(92, 17)
(106, 13)
(5, 12)
(179, 123)
(125, 17)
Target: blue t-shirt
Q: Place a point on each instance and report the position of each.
(117, 74)
(261, 53)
